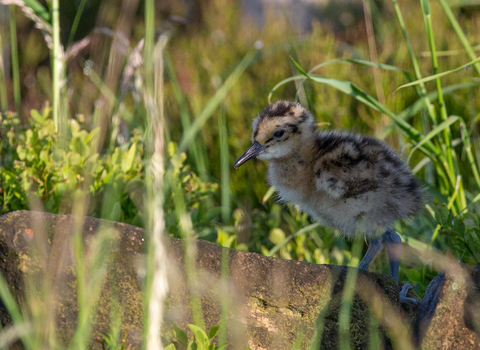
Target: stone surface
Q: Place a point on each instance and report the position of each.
(449, 315)
(267, 303)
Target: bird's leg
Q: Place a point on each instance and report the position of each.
(374, 248)
(392, 241)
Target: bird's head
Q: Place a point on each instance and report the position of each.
(279, 130)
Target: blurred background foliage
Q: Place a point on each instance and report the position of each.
(207, 41)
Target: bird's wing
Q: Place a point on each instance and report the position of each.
(345, 172)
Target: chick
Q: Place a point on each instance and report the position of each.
(350, 182)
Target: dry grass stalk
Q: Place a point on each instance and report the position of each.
(40, 23)
(159, 287)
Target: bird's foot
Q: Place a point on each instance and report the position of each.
(393, 243)
(403, 295)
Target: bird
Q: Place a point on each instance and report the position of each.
(349, 182)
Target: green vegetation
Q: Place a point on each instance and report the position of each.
(188, 96)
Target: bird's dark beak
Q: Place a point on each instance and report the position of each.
(254, 150)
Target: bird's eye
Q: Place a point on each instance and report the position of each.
(279, 133)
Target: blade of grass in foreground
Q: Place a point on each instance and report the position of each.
(38, 9)
(290, 237)
(13, 310)
(347, 298)
(156, 284)
(10, 334)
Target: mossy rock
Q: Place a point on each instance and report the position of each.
(449, 315)
(267, 303)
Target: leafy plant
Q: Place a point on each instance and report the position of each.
(200, 340)
(110, 343)
(33, 166)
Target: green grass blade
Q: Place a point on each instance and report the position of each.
(224, 166)
(461, 35)
(361, 63)
(10, 334)
(3, 83)
(468, 149)
(416, 68)
(214, 102)
(194, 147)
(15, 68)
(13, 309)
(78, 15)
(347, 300)
(348, 61)
(434, 132)
(38, 9)
(354, 91)
(268, 194)
(300, 69)
(57, 64)
(418, 105)
(449, 153)
(290, 237)
(439, 75)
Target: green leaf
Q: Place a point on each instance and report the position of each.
(213, 332)
(21, 152)
(276, 236)
(200, 334)
(300, 69)
(127, 161)
(192, 346)
(413, 275)
(74, 158)
(37, 117)
(267, 195)
(170, 347)
(180, 335)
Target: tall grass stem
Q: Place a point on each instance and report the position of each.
(224, 165)
(157, 284)
(57, 64)
(461, 35)
(15, 67)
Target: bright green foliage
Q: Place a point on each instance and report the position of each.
(200, 340)
(461, 233)
(109, 342)
(35, 170)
